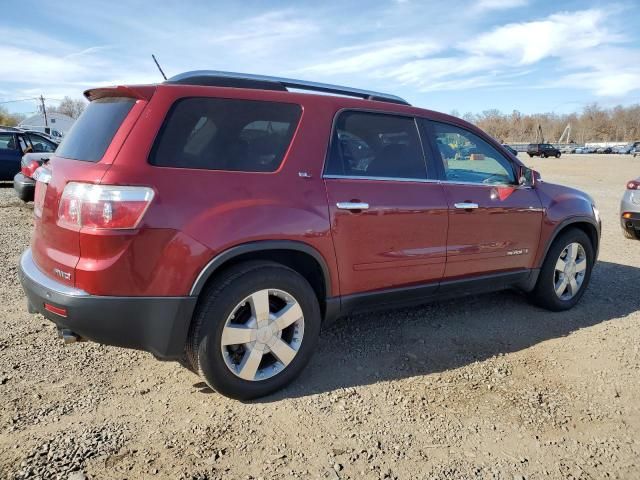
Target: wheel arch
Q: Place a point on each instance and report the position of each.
(587, 224)
(298, 256)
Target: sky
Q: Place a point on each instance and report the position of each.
(467, 56)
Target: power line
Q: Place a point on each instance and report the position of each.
(29, 99)
(19, 100)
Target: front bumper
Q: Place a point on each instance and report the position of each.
(25, 187)
(155, 324)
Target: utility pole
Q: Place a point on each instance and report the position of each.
(44, 111)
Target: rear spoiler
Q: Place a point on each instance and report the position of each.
(140, 92)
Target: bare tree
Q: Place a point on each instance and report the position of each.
(593, 124)
(69, 106)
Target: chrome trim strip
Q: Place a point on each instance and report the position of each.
(423, 180)
(293, 83)
(30, 270)
(395, 179)
(480, 184)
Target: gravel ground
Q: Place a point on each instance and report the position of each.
(482, 387)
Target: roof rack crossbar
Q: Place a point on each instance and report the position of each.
(197, 75)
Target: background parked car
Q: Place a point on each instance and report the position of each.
(630, 210)
(542, 150)
(604, 150)
(15, 144)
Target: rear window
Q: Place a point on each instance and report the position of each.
(226, 134)
(92, 133)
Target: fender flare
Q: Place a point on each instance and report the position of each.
(565, 223)
(259, 246)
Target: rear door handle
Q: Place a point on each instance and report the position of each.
(466, 205)
(352, 205)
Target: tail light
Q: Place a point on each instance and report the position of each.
(29, 168)
(633, 185)
(85, 205)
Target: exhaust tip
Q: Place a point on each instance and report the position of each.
(68, 336)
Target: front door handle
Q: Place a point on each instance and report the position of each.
(466, 205)
(352, 205)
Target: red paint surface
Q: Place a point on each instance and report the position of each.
(411, 234)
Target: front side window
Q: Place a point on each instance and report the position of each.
(226, 134)
(376, 145)
(468, 158)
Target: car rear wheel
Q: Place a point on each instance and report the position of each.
(254, 330)
(566, 271)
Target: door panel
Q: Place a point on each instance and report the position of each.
(494, 224)
(399, 237)
(501, 234)
(399, 240)
(9, 156)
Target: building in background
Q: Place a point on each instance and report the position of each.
(58, 123)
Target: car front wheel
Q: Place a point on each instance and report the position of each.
(566, 271)
(254, 330)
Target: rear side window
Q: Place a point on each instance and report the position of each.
(376, 145)
(226, 134)
(92, 133)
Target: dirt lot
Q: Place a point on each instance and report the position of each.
(483, 387)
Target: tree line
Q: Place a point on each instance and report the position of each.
(592, 124)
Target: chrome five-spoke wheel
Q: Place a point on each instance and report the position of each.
(262, 335)
(570, 271)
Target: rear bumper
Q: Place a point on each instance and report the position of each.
(631, 224)
(155, 324)
(24, 187)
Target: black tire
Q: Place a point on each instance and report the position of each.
(544, 294)
(217, 304)
(631, 234)
(530, 155)
(558, 155)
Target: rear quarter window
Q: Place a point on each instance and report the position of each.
(225, 134)
(92, 133)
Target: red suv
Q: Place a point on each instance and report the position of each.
(220, 220)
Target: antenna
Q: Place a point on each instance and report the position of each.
(158, 65)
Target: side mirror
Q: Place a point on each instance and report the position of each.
(527, 177)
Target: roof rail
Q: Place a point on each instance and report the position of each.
(248, 80)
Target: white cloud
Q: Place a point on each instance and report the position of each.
(555, 36)
(499, 4)
(373, 56)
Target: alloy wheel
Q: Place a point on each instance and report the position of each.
(262, 335)
(570, 271)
